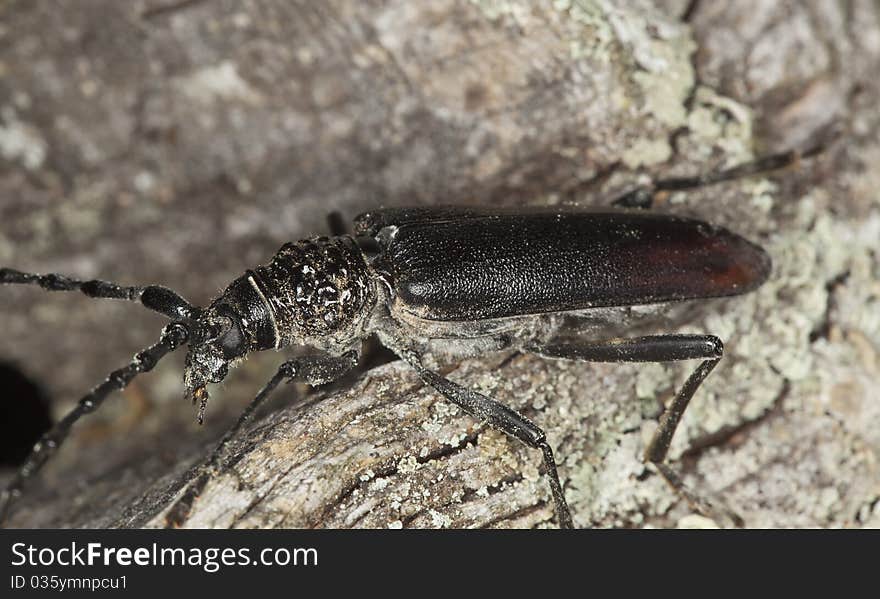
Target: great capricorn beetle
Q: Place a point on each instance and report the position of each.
(465, 279)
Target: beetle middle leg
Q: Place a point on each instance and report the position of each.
(653, 348)
(497, 415)
(314, 370)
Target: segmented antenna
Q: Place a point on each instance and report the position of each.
(153, 297)
(173, 336)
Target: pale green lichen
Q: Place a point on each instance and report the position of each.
(439, 520)
(655, 53)
(697, 522)
(723, 122)
(657, 64)
(497, 9)
(598, 35)
(645, 152)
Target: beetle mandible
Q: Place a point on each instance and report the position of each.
(471, 278)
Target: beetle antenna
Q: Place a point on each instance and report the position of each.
(153, 297)
(173, 336)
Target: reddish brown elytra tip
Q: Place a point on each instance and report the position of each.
(739, 266)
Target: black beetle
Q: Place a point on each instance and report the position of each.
(467, 280)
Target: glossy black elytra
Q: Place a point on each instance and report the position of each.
(469, 279)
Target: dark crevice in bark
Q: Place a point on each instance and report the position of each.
(725, 435)
(690, 10)
(258, 499)
(524, 511)
(445, 451)
(493, 489)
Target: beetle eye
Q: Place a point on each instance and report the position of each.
(232, 342)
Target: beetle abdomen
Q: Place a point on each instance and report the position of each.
(508, 265)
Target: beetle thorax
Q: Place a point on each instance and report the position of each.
(319, 290)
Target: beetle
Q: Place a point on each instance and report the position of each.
(462, 279)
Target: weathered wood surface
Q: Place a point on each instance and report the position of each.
(182, 142)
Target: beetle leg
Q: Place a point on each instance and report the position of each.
(173, 336)
(499, 416)
(654, 348)
(642, 197)
(314, 370)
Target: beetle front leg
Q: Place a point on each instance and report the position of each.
(654, 348)
(313, 370)
(499, 416)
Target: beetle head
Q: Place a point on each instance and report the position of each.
(217, 342)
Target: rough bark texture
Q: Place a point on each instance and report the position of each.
(183, 142)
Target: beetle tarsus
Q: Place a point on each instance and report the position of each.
(714, 510)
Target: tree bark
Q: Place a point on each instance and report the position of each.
(183, 142)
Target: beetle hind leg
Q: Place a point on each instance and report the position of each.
(657, 348)
(642, 197)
